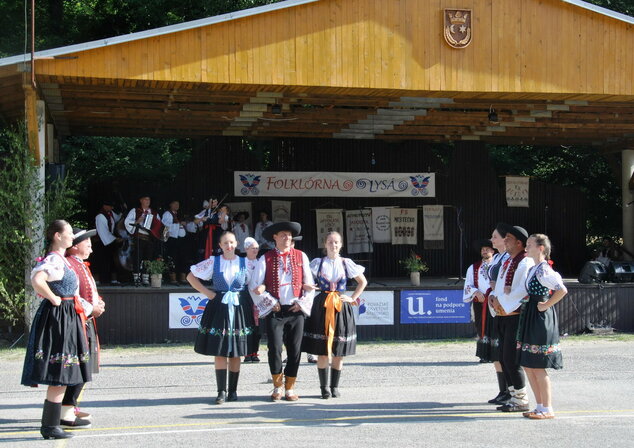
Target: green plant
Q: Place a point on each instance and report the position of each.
(157, 266)
(414, 263)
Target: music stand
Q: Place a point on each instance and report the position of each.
(371, 247)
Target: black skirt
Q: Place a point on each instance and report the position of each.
(538, 337)
(345, 337)
(57, 353)
(215, 337)
(488, 346)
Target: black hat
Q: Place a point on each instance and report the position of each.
(245, 214)
(294, 227)
(107, 201)
(518, 232)
(80, 235)
(144, 195)
(479, 244)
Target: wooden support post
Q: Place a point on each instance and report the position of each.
(627, 164)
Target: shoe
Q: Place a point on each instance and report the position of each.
(541, 416)
(529, 413)
(277, 394)
(248, 359)
(81, 414)
(289, 384)
(78, 423)
(232, 396)
(221, 398)
(311, 358)
(233, 386)
(285, 359)
(115, 283)
(51, 415)
(54, 432)
(501, 398)
(513, 407)
(334, 383)
(290, 395)
(255, 358)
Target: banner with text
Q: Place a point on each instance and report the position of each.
(281, 211)
(357, 227)
(308, 183)
(328, 220)
(517, 191)
(186, 309)
(404, 225)
(375, 308)
(438, 306)
(381, 228)
(433, 227)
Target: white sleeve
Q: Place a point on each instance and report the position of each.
(314, 266)
(511, 301)
(167, 219)
(203, 270)
(306, 301)
(258, 233)
(469, 286)
(264, 302)
(354, 270)
(550, 279)
(101, 224)
(129, 221)
(53, 265)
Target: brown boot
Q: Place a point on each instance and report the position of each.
(277, 387)
(290, 395)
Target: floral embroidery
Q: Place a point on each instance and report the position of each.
(538, 349)
(337, 338)
(487, 340)
(66, 360)
(225, 331)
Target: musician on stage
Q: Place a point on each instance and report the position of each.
(106, 245)
(175, 245)
(138, 225)
(216, 219)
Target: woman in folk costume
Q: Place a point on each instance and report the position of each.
(331, 330)
(538, 331)
(57, 352)
(226, 326)
(252, 248)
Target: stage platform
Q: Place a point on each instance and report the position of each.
(141, 315)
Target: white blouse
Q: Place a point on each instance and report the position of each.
(332, 269)
(546, 275)
(53, 265)
(229, 268)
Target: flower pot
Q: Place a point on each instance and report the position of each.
(155, 280)
(414, 278)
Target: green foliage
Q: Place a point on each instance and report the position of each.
(11, 304)
(62, 201)
(581, 168)
(414, 263)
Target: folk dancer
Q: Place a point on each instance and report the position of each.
(241, 229)
(506, 299)
(106, 245)
(538, 333)
(331, 329)
(281, 289)
(77, 255)
(57, 352)
(226, 326)
(252, 248)
(144, 246)
(175, 247)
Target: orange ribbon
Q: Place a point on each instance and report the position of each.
(332, 304)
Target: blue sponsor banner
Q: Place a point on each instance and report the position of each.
(435, 306)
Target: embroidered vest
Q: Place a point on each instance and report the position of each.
(83, 275)
(508, 280)
(324, 285)
(476, 273)
(272, 275)
(239, 281)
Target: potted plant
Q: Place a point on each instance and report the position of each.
(155, 269)
(414, 264)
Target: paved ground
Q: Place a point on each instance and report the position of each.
(400, 394)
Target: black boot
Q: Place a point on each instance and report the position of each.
(233, 385)
(221, 381)
(504, 394)
(323, 383)
(334, 382)
(51, 414)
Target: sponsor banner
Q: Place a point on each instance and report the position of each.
(186, 309)
(381, 225)
(437, 306)
(433, 226)
(308, 183)
(375, 308)
(281, 211)
(358, 226)
(404, 225)
(517, 191)
(328, 220)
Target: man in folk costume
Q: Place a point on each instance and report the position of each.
(510, 291)
(175, 245)
(476, 288)
(281, 293)
(144, 246)
(106, 245)
(94, 306)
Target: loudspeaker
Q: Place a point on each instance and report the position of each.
(593, 272)
(621, 271)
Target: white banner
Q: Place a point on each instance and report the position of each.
(433, 226)
(300, 183)
(186, 309)
(404, 225)
(381, 228)
(517, 191)
(328, 220)
(237, 207)
(357, 226)
(375, 308)
(281, 211)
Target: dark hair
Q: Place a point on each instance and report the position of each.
(544, 241)
(226, 232)
(54, 227)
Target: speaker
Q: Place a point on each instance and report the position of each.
(593, 272)
(621, 271)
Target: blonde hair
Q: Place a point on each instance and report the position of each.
(332, 232)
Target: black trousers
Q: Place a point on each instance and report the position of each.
(175, 249)
(507, 328)
(144, 249)
(285, 328)
(104, 256)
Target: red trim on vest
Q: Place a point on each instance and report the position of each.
(476, 272)
(272, 277)
(508, 281)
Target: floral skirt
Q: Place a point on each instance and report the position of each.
(538, 337)
(57, 353)
(215, 335)
(488, 346)
(345, 337)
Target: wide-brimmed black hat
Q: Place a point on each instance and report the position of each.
(518, 232)
(80, 235)
(294, 227)
(479, 244)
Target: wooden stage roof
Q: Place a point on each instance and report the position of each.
(554, 72)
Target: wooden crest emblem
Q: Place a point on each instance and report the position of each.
(457, 27)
